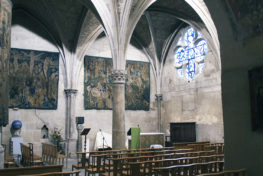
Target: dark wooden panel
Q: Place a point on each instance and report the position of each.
(183, 132)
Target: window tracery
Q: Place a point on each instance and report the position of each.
(190, 53)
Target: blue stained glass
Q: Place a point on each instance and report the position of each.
(191, 54)
(190, 36)
(179, 56)
(200, 50)
(190, 69)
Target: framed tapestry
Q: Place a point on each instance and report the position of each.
(98, 89)
(33, 79)
(256, 97)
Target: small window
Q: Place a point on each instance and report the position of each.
(190, 54)
(44, 132)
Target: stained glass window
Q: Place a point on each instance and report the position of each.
(190, 53)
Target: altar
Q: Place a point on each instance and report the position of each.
(148, 139)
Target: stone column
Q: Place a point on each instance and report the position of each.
(118, 109)
(70, 126)
(159, 98)
(5, 37)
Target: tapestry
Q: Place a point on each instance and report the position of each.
(5, 37)
(249, 15)
(98, 88)
(33, 79)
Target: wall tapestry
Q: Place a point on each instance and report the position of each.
(33, 79)
(5, 30)
(249, 15)
(98, 89)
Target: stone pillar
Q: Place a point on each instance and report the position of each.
(70, 126)
(159, 98)
(5, 38)
(118, 109)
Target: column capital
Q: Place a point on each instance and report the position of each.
(159, 97)
(69, 92)
(118, 76)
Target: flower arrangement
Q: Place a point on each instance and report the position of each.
(56, 137)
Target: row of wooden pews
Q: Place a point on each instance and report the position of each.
(34, 165)
(189, 158)
(30, 170)
(50, 155)
(28, 156)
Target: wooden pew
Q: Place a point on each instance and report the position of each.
(28, 157)
(30, 170)
(188, 144)
(65, 173)
(218, 147)
(8, 160)
(190, 169)
(50, 155)
(239, 172)
(146, 167)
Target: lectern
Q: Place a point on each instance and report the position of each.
(85, 132)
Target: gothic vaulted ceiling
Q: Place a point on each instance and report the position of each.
(68, 23)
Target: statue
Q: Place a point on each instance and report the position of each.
(16, 128)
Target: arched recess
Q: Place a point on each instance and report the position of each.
(158, 59)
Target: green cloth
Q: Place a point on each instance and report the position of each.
(135, 138)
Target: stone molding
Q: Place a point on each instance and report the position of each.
(158, 97)
(69, 92)
(118, 76)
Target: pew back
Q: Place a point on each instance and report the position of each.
(30, 170)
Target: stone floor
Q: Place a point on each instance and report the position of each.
(69, 168)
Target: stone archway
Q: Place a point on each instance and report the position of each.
(239, 53)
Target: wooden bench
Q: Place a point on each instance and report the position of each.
(30, 170)
(146, 167)
(50, 155)
(190, 144)
(218, 147)
(28, 157)
(239, 172)
(65, 173)
(8, 160)
(190, 169)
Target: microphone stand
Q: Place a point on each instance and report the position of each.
(103, 140)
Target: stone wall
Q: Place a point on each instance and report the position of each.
(33, 120)
(196, 101)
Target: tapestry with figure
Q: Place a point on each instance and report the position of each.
(33, 79)
(98, 89)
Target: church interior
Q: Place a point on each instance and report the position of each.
(89, 79)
